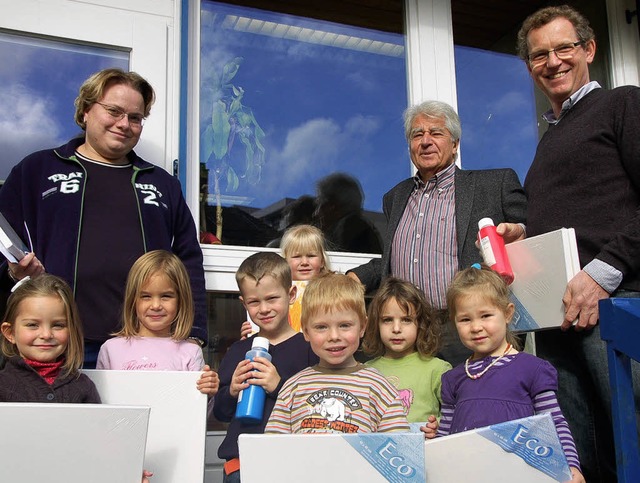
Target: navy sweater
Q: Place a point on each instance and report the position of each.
(586, 175)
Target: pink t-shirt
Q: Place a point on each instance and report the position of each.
(150, 354)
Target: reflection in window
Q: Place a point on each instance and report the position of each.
(225, 315)
(286, 101)
(497, 109)
(40, 79)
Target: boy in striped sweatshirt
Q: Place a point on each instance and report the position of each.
(338, 395)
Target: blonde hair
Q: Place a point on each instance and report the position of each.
(488, 284)
(47, 285)
(413, 301)
(305, 239)
(150, 264)
(263, 264)
(92, 90)
(331, 292)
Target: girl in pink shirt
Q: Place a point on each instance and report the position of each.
(157, 320)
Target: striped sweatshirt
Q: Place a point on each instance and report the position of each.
(351, 400)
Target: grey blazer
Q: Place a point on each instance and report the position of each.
(493, 193)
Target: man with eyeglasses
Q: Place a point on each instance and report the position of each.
(90, 208)
(585, 175)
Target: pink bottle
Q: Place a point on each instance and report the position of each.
(493, 250)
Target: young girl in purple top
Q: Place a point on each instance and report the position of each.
(157, 319)
(497, 383)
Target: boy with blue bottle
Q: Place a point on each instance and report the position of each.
(264, 280)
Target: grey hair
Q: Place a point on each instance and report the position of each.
(435, 109)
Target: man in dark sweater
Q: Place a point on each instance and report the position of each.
(585, 175)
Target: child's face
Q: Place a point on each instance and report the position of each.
(398, 330)
(305, 265)
(334, 337)
(267, 303)
(157, 306)
(482, 326)
(41, 330)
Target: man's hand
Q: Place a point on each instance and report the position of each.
(28, 266)
(511, 232)
(581, 302)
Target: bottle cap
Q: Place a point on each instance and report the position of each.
(485, 222)
(261, 342)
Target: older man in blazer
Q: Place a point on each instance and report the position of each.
(432, 218)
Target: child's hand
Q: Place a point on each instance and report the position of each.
(208, 382)
(431, 428)
(146, 475)
(576, 476)
(240, 377)
(265, 374)
(245, 330)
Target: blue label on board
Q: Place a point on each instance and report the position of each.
(522, 320)
(398, 457)
(533, 439)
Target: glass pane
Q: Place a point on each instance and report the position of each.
(40, 80)
(225, 314)
(285, 101)
(499, 126)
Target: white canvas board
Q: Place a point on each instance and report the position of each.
(177, 425)
(542, 266)
(72, 443)
(11, 246)
(322, 458)
(469, 456)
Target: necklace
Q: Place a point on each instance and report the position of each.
(482, 372)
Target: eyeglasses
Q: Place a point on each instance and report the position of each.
(563, 52)
(118, 114)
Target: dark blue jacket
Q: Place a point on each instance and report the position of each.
(43, 200)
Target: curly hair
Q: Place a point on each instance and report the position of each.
(413, 301)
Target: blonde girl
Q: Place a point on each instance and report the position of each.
(42, 340)
(497, 383)
(157, 319)
(403, 337)
(303, 247)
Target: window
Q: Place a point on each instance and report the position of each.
(34, 114)
(284, 102)
(498, 118)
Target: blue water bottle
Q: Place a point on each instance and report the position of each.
(251, 400)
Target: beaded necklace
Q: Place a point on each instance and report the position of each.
(483, 371)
